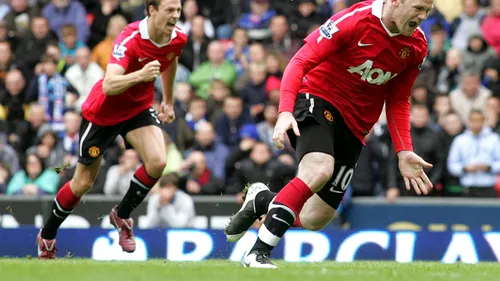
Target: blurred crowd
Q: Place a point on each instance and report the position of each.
(226, 96)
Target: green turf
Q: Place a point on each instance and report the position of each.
(79, 270)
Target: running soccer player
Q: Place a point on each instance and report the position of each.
(121, 104)
(332, 93)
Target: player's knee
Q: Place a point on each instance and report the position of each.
(315, 220)
(316, 169)
(155, 166)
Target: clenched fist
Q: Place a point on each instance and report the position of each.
(150, 71)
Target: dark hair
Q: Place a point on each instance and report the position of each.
(476, 111)
(154, 3)
(38, 157)
(196, 99)
(48, 58)
(169, 179)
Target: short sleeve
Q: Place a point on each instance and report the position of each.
(123, 49)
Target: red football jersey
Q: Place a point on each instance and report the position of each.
(354, 62)
(132, 50)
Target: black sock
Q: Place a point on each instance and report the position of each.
(262, 201)
(56, 218)
(278, 221)
(134, 196)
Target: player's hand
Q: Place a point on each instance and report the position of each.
(412, 168)
(151, 71)
(285, 122)
(167, 114)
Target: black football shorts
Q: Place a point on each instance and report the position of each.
(94, 139)
(322, 129)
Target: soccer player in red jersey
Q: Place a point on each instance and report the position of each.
(332, 93)
(121, 104)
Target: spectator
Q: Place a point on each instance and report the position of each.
(20, 16)
(257, 21)
(303, 19)
(49, 148)
(491, 75)
(83, 75)
(238, 53)
(435, 18)
(4, 177)
(475, 158)
(471, 95)
(52, 91)
(189, 13)
(215, 152)
(102, 51)
(13, 101)
(275, 63)
(119, 176)
(195, 52)
(477, 53)
(102, 15)
(170, 207)
(54, 51)
(281, 38)
(493, 113)
(467, 24)
(215, 102)
(217, 67)
(70, 140)
(61, 12)
(441, 108)
(220, 13)
(490, 26)
(261, 167)
(69, 43)
(197, 178)
(229, 124)
(265, 128)
(34, 179)
(449, 75)
(9, 158)
(6, 62)
(273, 85)
(183, 93)
(23, 134)
(34, 43)
(451, 127)
(254, 93)
(197, 112)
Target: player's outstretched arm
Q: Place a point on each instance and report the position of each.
(116, 81)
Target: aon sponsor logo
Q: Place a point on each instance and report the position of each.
(372, 75)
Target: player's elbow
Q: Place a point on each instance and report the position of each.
(107, 87)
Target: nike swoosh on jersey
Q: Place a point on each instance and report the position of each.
(363, 45)
(142, 59)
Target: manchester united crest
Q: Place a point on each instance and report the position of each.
(328, 116)
(404, 53)
(171, 55)
(94, 151)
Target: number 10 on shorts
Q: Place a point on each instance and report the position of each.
(343, 177)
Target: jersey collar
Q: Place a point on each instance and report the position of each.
(143, 29)
(377, 6)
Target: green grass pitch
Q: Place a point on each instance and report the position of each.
(218, 270)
